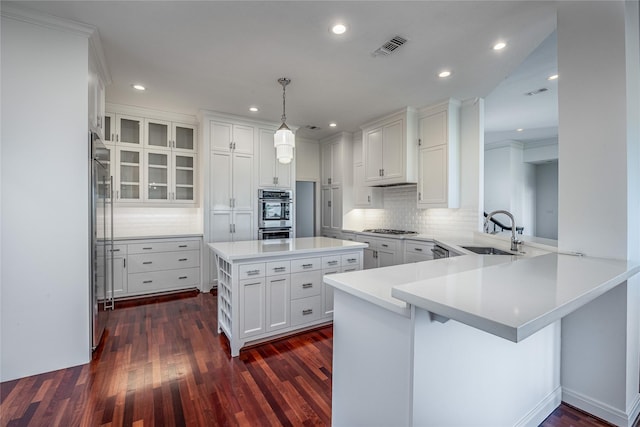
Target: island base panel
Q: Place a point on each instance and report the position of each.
(496, 381)
(372, 352)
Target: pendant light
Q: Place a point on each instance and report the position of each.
(284, 140)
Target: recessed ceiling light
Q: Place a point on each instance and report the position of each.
(553, 77)
(444, 73)
(519, 130)
(499, 46)
(332, 125)
(339, 29)
(253, 109)
(138, 87)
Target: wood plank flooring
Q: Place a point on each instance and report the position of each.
(163, 363)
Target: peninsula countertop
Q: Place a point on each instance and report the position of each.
(507, 296)
(256, 249)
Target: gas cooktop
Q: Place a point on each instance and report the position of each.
(388, 231)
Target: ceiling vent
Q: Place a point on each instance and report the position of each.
(536, 92)
(389, 47)
(312, 127)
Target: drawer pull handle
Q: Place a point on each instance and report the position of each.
(115, 250)
(351, 269)
(148, 262)
(280, 269)
(352, 259)
(183, 259)
(278, 280)
(182, 246)
(418, 249)
(148, 281)
(332, 262)
(183, 277)
(307, 311)
(146, 249)
(307, 265)
(253, 272)
(307, 285)
(384, 245)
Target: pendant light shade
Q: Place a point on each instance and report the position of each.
(284, 140)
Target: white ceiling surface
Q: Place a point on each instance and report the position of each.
(227, 56)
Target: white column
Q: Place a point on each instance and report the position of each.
(472, 156)
(599, 171)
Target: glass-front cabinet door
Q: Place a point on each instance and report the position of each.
(184, 177)
(158, 133)
(129, 130)
(184, 137)
(157, 177)
(129, 175)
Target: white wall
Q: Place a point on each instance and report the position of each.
(45, 203)
(598, 179)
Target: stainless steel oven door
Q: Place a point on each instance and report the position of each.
(275, 213)
(274, 233)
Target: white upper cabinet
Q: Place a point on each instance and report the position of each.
(124, 129)
(332, 160)
(155, 158)
(229, 136)
(389, 149)
(271, 173)
(363, 195)
(96, 96)
(439, 156)
(170, 135)
(169, 177)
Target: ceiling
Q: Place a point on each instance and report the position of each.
(227, 56)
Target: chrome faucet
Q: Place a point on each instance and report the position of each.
(514, 242)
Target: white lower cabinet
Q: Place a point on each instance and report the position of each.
(417, 250)
(252, 297)
(156, 265)
(281, 295)
(382, 252)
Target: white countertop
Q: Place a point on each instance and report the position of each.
(375, 285)
(516, 299)
(251, 249)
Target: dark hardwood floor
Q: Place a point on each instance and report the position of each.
(163, 363)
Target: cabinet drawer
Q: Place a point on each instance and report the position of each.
(352, 259)
(142, 248)
(306, 284)
(305, 264)
(163, 261)
(278, 267)
(331, 261)
(162, 280)
(249, 271)
(418, 248)
(390, 244)
(306, 310)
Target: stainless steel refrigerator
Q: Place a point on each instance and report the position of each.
(101, 210)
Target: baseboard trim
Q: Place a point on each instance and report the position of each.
(542, 410)
(602, 410)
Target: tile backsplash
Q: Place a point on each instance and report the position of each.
(401, 212)
(147, 221)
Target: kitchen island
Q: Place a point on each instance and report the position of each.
(271, 288)
(471, 340)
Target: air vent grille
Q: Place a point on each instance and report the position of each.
(311, 127)
(390, 46)
(537, 91)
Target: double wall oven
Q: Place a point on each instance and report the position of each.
(275, 214)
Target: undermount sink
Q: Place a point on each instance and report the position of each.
(486, 250)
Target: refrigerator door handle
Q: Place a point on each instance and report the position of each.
(110, 303)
